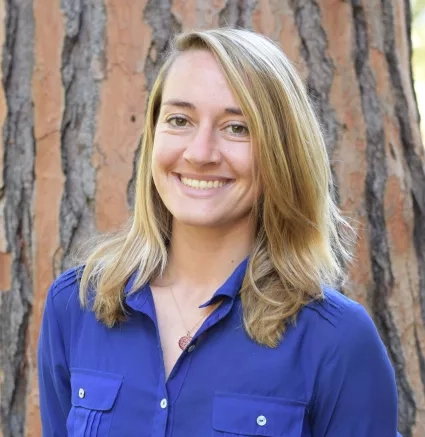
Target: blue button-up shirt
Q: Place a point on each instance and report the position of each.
(329, 377)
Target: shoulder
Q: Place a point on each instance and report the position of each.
(66, 280)
(63, 292)
(341, 327)
(348, 362)
(350, 382)
(337, 311)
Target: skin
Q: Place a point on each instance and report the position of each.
(201, 134)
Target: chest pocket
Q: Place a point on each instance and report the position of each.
(245, 415)
(93, 396)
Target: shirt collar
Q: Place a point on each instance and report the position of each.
(232, 285)
(139, 297)
(230, 288)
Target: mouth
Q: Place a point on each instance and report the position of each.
(204, 184)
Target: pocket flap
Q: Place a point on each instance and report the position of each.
(94, 390)
(257, 415)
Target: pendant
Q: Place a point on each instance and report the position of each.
(184, 341)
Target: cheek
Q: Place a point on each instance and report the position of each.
(242, 162)
(246, 166)
(163, 156)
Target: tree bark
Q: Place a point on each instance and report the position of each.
(76, 75)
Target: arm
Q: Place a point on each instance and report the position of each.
(53, 374)
(355, 394)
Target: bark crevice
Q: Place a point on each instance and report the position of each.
(410, 148)
(164, 25)
(237, 14)
(376, 179)
(314, 47)
(83, 49)
(18, 137)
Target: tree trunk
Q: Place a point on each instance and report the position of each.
(76, 74)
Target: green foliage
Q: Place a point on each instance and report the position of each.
(418, 38)
(418, 58)
(418, 7)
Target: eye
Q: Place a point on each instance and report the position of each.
(177, 121)
(237, 129)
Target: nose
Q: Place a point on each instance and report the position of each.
(202, 147)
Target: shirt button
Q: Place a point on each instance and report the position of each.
(81, 393)
(261, 420)
(191, 348)
(164, 403)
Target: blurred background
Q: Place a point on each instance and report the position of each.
(75, 76)
(418, 60)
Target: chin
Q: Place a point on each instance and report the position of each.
(214, 219)
(199, 218)
(198, 222)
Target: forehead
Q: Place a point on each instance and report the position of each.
(193, 62)
(195, 74)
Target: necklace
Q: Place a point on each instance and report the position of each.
(186, 339)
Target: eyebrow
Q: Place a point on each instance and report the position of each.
(188, 105)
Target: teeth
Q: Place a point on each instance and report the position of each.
(202, 185)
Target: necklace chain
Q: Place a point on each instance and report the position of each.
(182, 318)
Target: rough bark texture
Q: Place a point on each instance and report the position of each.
(17, 193)
(75, 76)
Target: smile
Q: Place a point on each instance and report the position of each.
(203, 184)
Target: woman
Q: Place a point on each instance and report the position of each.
(183, 324)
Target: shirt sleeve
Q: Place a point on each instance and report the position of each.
(53, 374)
(355, 393)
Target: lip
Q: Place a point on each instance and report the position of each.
(203, 177)
(201, 194)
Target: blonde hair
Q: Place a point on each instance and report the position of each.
(299, 244)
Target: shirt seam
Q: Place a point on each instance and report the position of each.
(336, 345)
(59, 327)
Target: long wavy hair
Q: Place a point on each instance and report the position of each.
(299, 244)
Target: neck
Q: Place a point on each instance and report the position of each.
(201, 260)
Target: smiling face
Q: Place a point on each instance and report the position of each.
(202, 163)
